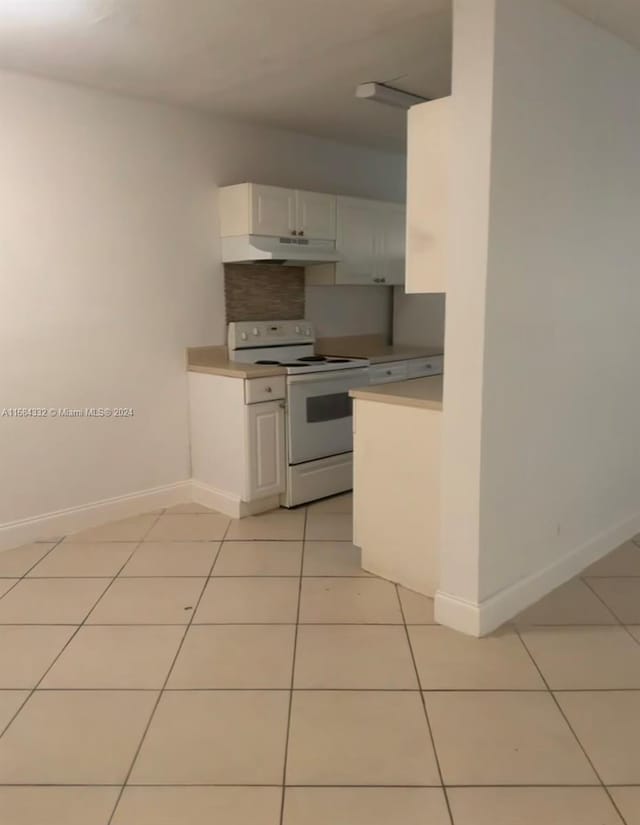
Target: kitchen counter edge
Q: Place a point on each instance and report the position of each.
(423, 393)
(374, 348)
(215, 361)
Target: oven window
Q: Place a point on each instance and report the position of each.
(329, 407)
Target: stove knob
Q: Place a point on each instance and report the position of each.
(255, 331)
(298, 330)
(307, 332)
(244, 336)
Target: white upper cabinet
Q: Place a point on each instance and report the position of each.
(273, 211)
(370, 241)
(370, 235)
(391, 234)
(357, 241)
(254, 209)
(316, 215)
(428, 137)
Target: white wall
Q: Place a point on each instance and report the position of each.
(559, 445)
(470, 169)
(110, 267)
(418, 320)
(349, 310)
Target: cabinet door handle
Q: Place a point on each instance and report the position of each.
(389, 372)
(268, 389)
(301, 232)
(293, 232)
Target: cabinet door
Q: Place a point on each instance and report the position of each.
(392, 243)
(265, 450)
(273, 211)
(357, 241)
(428, 140)
(316, 215)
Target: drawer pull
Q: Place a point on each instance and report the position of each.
(268, 389)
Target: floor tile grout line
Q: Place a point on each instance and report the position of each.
(294, 785)
(35, 564)
(137, 543)
(203, 576)
(162, 689)
(69, 541)
(285, 689)
(142, 542)
(424, 706)
(613, 576)
(570, 726)
(629, 633)
(599, 597)
(78, 628)
(293, 669)
(208, 624)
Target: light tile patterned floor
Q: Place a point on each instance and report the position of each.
(178, 668)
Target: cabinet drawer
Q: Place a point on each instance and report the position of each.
(264, 389)
(419, 367)
(384, 373)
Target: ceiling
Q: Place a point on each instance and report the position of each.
(288, 63)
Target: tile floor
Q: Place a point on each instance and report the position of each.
(180, 668)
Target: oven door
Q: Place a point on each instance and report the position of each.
(319, 419)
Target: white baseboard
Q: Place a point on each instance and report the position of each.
(480, 619)
(215, 499)
(230, 505)
(63, 522)
(457, 614)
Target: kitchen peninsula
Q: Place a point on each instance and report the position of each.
(397, 450)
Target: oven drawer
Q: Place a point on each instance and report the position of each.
(264, 389)
(383, 373)
(421, 367)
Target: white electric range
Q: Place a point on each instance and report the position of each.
(319, 424)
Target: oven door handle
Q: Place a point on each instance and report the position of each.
(312, 377)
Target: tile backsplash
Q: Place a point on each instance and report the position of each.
(263, 292)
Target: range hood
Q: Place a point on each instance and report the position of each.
(255, 249)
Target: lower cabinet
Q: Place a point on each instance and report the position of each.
(401, 370)
(265, 475)
(238, 456)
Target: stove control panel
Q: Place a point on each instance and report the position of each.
(269, 333)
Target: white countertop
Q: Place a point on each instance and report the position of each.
(372, 347)
(215, 361)
(425, 393)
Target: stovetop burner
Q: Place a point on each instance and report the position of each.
(285, 344)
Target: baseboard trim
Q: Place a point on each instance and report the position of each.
(72, 519)
(457, 614)
(484, 617)
(232, 506)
